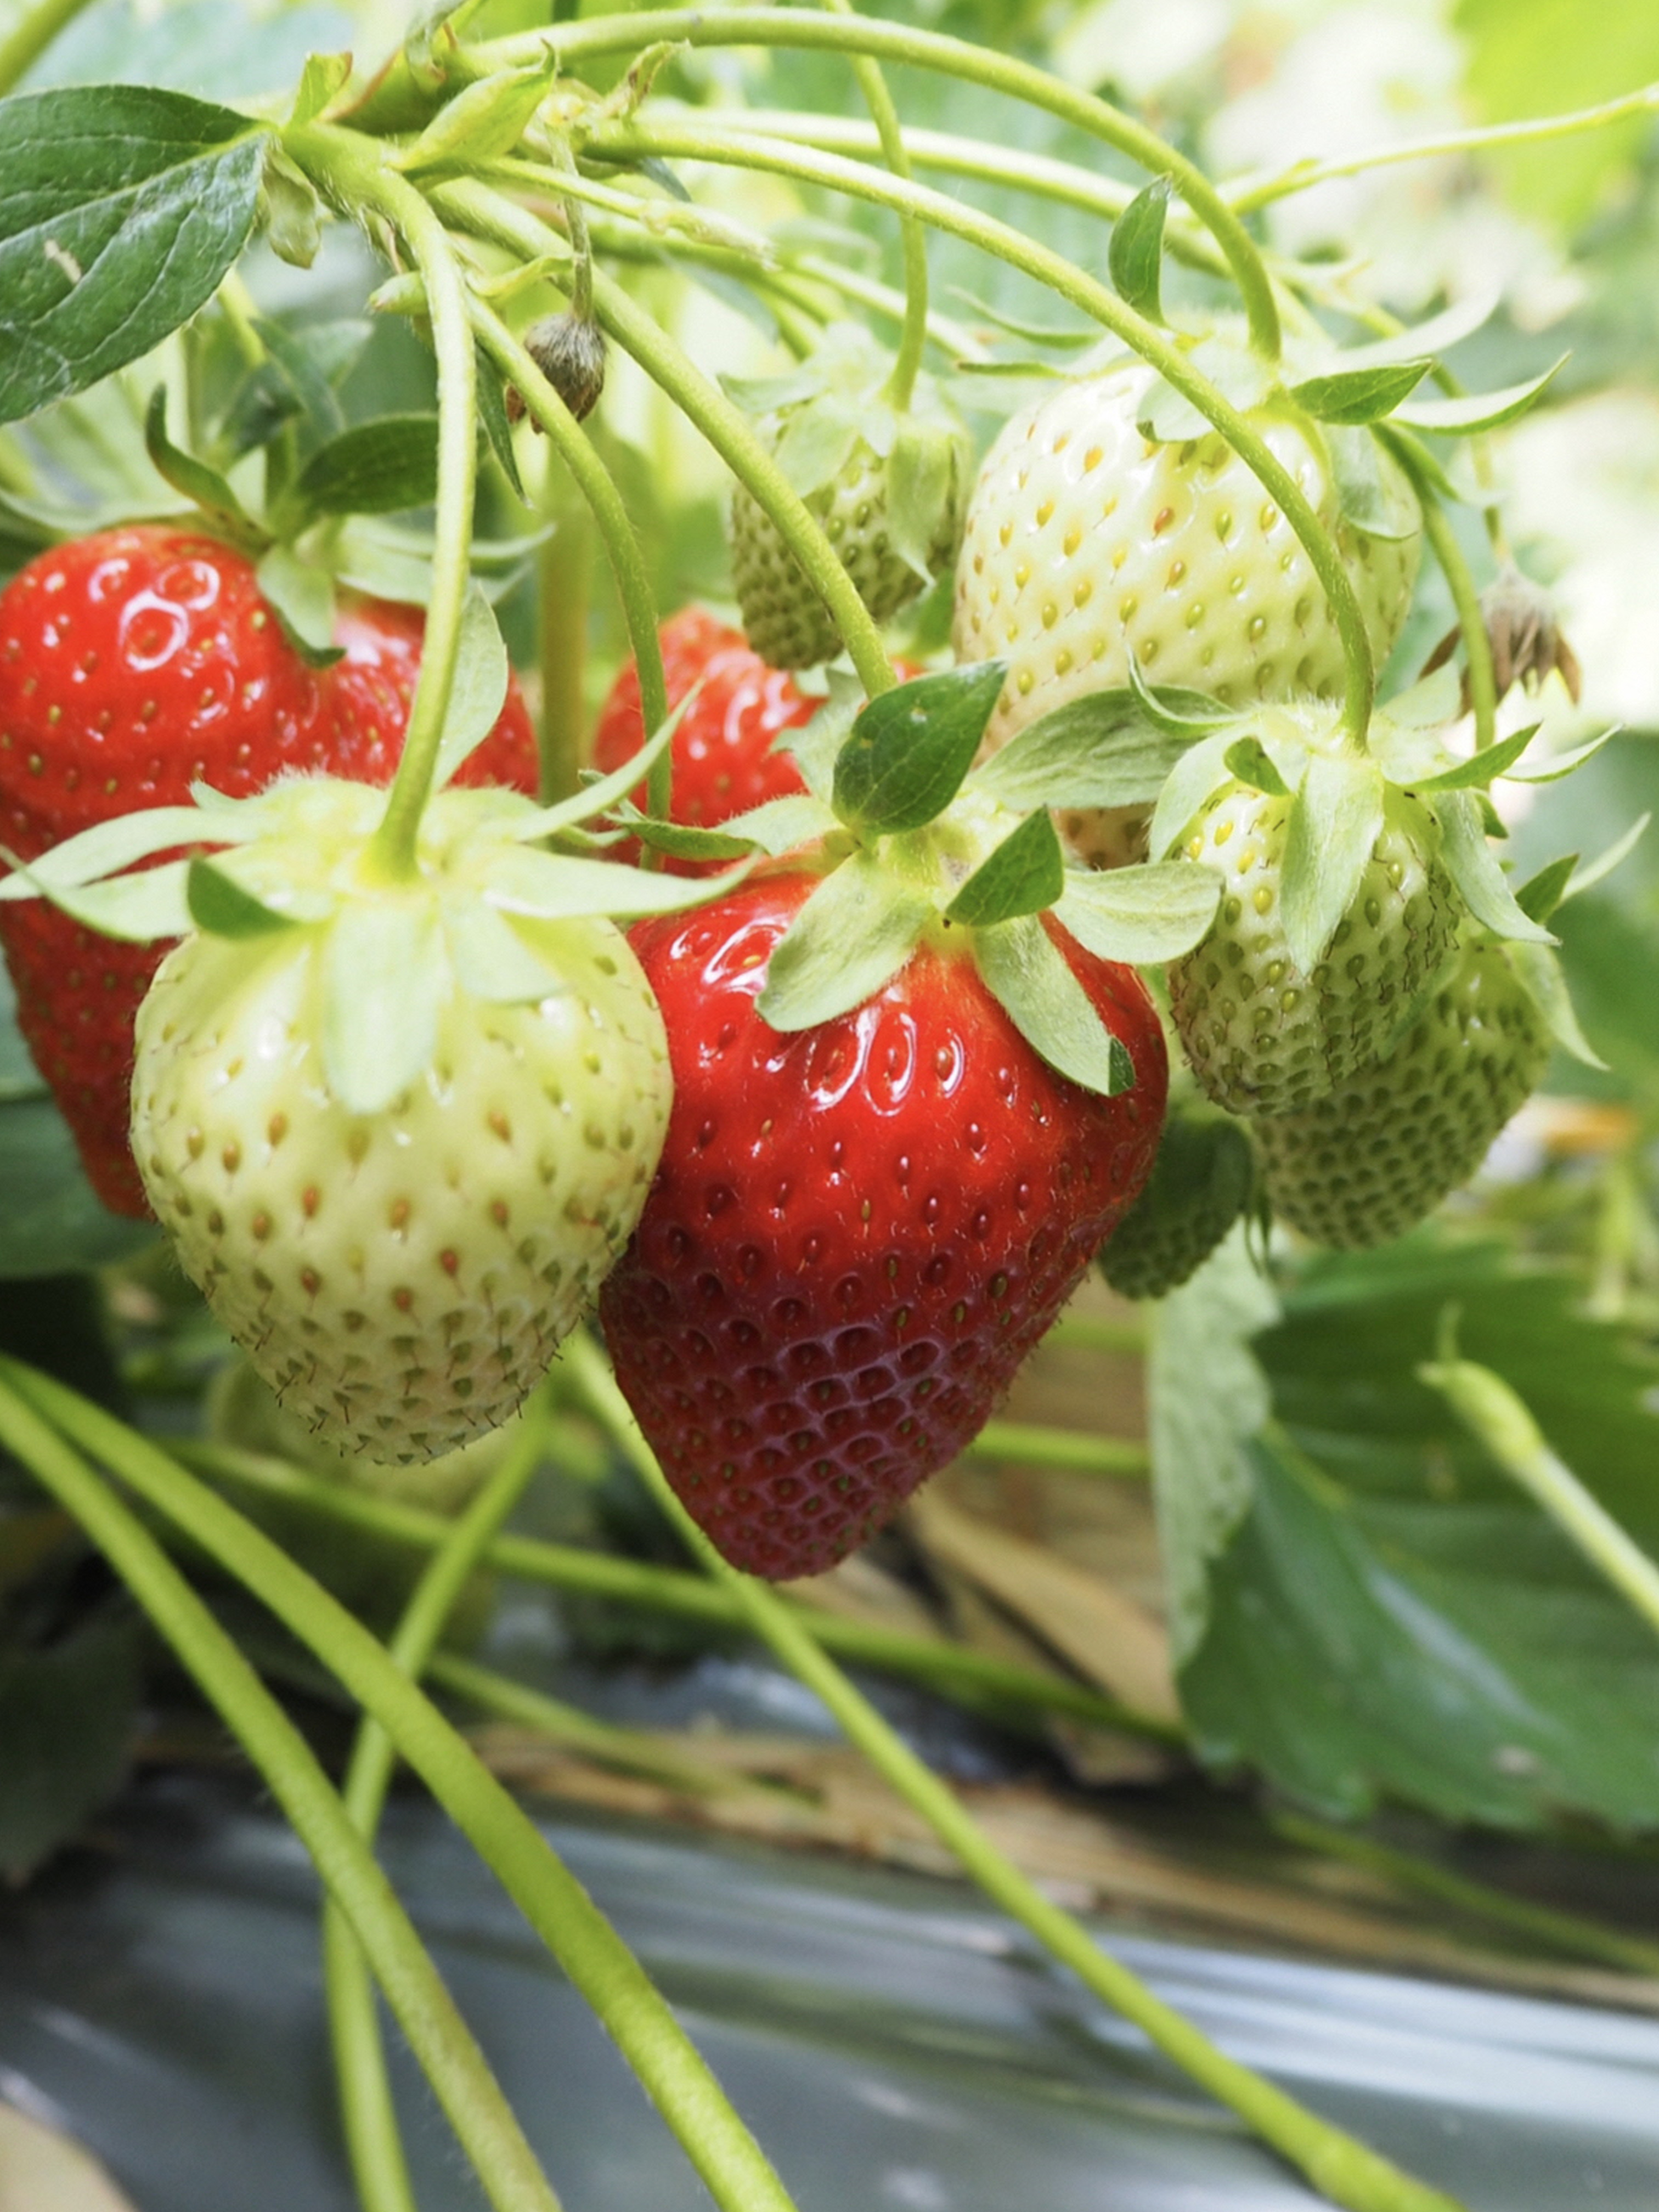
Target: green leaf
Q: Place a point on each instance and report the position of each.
(1026, 873)
(1357, 396)
(301, 596)
(779, 826)
(1099, 751)
(1480, 769)
(290, 211)
(68, 1712)
(1473, 866)
(492, 413)
(323, 76)
(304, 366)
(910, 749)
(382, 467)
(1479, 410)
(120, 211)
(478, 692)
(1333, 827)
(1135, 255)
(483, 121)
(852, 937)
(1390, 1617)
(1028, 978)
(1140, 915)
(1248, 759)
(204, 486)
(219, 905)
(386, 976)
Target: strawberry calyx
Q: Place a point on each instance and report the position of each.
(914, 846)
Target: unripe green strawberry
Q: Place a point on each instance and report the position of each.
(1372, 1160)
(399, 1146)
(1086, 543)
(1262, 1036)
(1200, 1185)
(888, 485)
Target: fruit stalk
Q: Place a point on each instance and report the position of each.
(23, 45)
(356, 175)
(451, 2059)
(374, 2140)
(748, 150)
(475, 207)
(1343, 2168)
(1471, 622)
(733, 2167)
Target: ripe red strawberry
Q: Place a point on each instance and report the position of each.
(132, 664)
(722, 751)
(857, 1231)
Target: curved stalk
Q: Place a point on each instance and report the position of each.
(1471, 621)
(1343, 2168)
(597, 1963)
(461, 2080)
(355, 175)
(372, 2140)
(490, 214)
(396, 99)
(23, 46)
(1153, 345)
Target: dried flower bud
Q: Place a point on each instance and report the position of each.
(569, 351)
(1525, 638)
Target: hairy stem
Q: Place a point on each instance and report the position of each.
(461, 2080)
(374, 2142)
(1471, 621)
(1335, 2163)
(23, 46)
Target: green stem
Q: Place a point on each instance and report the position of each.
(948, 1668)
(1095, 1333)
(374, 2142)
(1246, 196)
(1562, 1931)
(914, 238)
(563, 568)
(357, 175)
(461, 2080)
(597, 1963)
(928, 50)
(726, 427)
(1154, 346)
(1486, 1406)
(1067, 1451)
(593, 480)
(27, 40)
(1471, 621)
(1344, 2169)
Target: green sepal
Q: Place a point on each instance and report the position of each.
(1332, 834)
(478, 691)
(136, 908)
(1135, 257)
(221, 907)
(108, 846)
(384, 466)
(1157, 911)
(1029, 980)
(1168, 417)
(1176, 712)
(492, 413)
(779, 826)
(491, 959)
(302, 597)
(565, 887)
(1539, 895)
(817, 443)
(680, 840)
(1542, 972)
(1559, 765)
(1479, 410)
(1361, 491)
(1480, 769)
(852, 937)
(1024, 875)
(1473, 866)
(1423, 465)
(1353, 396)
(324, 76)
(815, 744)
(911, 748)
(202, 486)
(1192, 782)
(1098, 751)
(923, 471)
(596, 799)
(1594, 872)
(1428, 339)
(483, 122)
(386, 974)
(290, 210)
(1065, 336)
(1248, 759)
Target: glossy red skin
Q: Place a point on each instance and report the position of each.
(133, 663)
(722, 751)
(857, 1232)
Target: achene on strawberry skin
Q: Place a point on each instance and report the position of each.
(858, 1232)
(132, 664)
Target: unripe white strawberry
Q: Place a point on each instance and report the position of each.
(1375, 1157)
(1087, 542)
(1261, 1035)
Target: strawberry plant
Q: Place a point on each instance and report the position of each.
(735, 1083)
